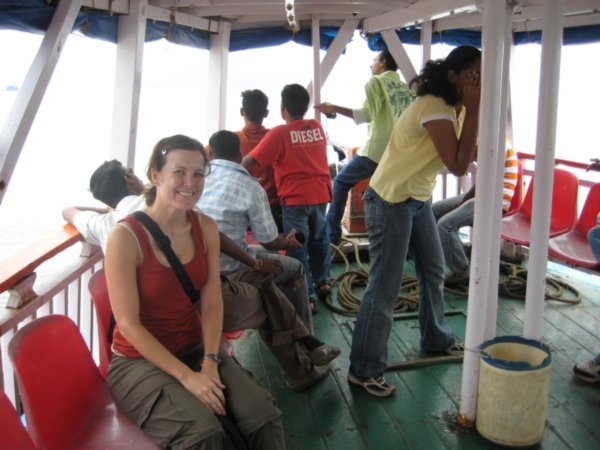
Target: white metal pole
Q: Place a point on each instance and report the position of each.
(316, 44)
(426, 30)
(544, 167)
(489, 117)
(128, 81)
(491, 311)
(218, 59)
(26, 105)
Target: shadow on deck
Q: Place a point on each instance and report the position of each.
(421, 414)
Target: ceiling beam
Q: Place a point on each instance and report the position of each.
(416, 12)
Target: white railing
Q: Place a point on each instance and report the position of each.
(63, 289)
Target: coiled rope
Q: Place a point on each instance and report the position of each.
(513, 285)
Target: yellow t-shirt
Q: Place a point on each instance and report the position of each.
(410, 163)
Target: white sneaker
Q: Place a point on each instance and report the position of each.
(588, 371)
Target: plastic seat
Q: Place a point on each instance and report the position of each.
(65, 398)
(99, 293)
(573, 247)
(563, 216)
(13, 434)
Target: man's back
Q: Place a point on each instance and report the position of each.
(297, 151)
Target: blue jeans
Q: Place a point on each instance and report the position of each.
(395, 229)
(359, 168)
(594, 240)
(291, 281)
(450, 219)
(314, 254)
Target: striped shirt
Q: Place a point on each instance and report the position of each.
(511, 175)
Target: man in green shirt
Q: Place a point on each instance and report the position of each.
(386, 97)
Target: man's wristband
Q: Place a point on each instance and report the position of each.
(258, 264)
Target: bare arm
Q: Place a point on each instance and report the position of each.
(231, 249)
(288, 242)
(212, 300)
(120, 265)
(457, 154)
(329, 108)
(69, 213)
(248, 162)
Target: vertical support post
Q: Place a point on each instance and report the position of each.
(491, 311)
(316, 45)
(218, 60)
(21, 117)
(426, 30)
(128, 80)
(544, 167)
(487, 156)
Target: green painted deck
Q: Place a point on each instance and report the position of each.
(333, 415)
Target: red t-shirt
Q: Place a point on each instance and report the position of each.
(249, 136)
(165, 309)
(298, 153)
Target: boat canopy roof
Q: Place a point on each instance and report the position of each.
(265, 23)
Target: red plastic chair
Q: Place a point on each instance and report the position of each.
(99, 293)
(65, 398)
(13, 434)
(516, 227)
(573, 247)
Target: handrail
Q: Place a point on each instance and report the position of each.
(564, 162)
(24, 263)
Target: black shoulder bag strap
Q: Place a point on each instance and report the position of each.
(164, 244)
(233, 439)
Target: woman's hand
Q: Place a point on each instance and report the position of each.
(207, 387)
(470, 88)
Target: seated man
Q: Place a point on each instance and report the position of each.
(251, 302)
(456, 212)
(237, 202)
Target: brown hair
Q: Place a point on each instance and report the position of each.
(159, 158)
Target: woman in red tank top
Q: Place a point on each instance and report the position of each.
(167, 372)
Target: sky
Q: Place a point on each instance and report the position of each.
(71, 134)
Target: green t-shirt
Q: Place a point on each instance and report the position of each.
(410, 164)
(387, 97)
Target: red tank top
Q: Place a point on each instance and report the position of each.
(165, 309)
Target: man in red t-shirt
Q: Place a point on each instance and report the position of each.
(297, 152)
(254, 110)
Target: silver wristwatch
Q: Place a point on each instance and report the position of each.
(214, 356)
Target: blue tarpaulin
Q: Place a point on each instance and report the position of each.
(34, 16)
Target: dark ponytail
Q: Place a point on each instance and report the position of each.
(433, 79)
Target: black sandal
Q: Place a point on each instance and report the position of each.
(312, 304)
(323, 287)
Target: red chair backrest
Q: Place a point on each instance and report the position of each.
(61, 387)
(563, 215)
(99, 293)
(589, 214)
(13, 434)
(564, 201)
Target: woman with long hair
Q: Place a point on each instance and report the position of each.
(438, 130)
